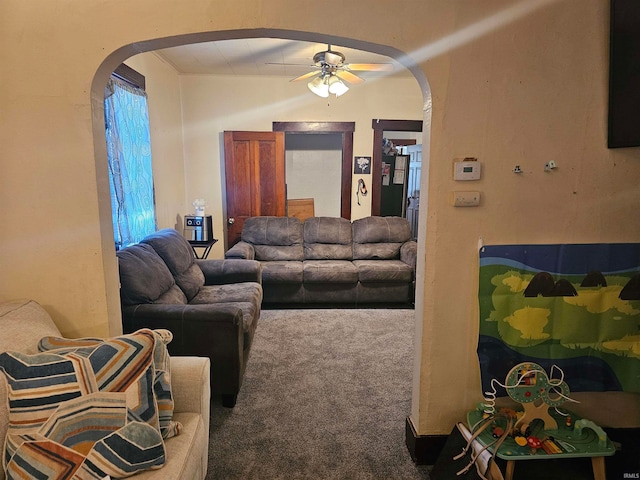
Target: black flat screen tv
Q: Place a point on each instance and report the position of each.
(624, 74)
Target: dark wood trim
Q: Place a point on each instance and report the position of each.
(397, 125)
(129, 75)
(344, 128)
(379, 127)
(424, 449)
(314, 127)
(347, 169)
(403, 141)
(376, 172)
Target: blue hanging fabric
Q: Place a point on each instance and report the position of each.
(130, 167)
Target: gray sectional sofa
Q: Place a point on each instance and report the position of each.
(330, 260)
(212, 307)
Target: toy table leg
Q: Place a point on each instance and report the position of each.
(599, 472)
(597, 463)
(508, 475)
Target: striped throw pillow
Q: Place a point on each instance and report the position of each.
(161, 362)
(84, 414)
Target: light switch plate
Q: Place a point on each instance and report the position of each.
(466, 199)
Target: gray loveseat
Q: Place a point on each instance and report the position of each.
(211, 306)
(330, 260)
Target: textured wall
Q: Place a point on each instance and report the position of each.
(511, 83)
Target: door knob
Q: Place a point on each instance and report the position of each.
(231, 221)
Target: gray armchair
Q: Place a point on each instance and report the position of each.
(211, 306)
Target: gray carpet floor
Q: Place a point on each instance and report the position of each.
(325, 396)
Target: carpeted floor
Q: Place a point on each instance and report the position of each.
(325, 396)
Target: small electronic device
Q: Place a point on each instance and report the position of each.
(198, 228)
(467, 170)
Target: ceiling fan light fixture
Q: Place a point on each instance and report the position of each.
(336, 86)
(319, 86)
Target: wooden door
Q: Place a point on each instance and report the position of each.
(254, 178)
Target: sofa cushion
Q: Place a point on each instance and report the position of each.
(22, 322)
(145, 278)
(387, 271)
(89, 413)
(274, 238)
(327, 238)
(379, 237)
(185, 459)
(282, 272)
(329, 271)
(178, 255)
(161, 365)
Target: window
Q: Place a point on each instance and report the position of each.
(129, 157)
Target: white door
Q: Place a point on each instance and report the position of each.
(413, 187)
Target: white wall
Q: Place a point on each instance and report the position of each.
(316, 174)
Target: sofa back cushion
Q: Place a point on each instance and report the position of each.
(22, 323)
(379, 237)
(178, 255)
(145, 278)
(327, 238)
(274, 238)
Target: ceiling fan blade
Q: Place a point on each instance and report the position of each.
(305, 76)
(349, 77)
(372, 67)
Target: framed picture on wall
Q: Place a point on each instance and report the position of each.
(362, 166)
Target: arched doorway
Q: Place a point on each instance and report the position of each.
(119, 56)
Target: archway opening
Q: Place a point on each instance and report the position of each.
(119, 56)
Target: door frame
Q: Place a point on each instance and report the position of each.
(346, 129)
(379, 127)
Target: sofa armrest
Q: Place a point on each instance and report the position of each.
(204, 330)
(409, 253)
(220, 272)
(243, 250)
(198, 330)
(190, 385)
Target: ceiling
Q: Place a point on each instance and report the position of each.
(263, 56)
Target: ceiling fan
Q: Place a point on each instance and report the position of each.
(329, 69)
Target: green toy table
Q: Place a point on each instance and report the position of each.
(582, 439)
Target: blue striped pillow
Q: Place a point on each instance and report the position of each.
(161, 362)
(87, 413)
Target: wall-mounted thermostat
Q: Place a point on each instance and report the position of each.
(466, 170)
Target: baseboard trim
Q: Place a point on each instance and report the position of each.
(424, 449)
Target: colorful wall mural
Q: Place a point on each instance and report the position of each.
(573, 306)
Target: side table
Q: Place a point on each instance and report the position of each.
(206, 245)
(582, 439)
